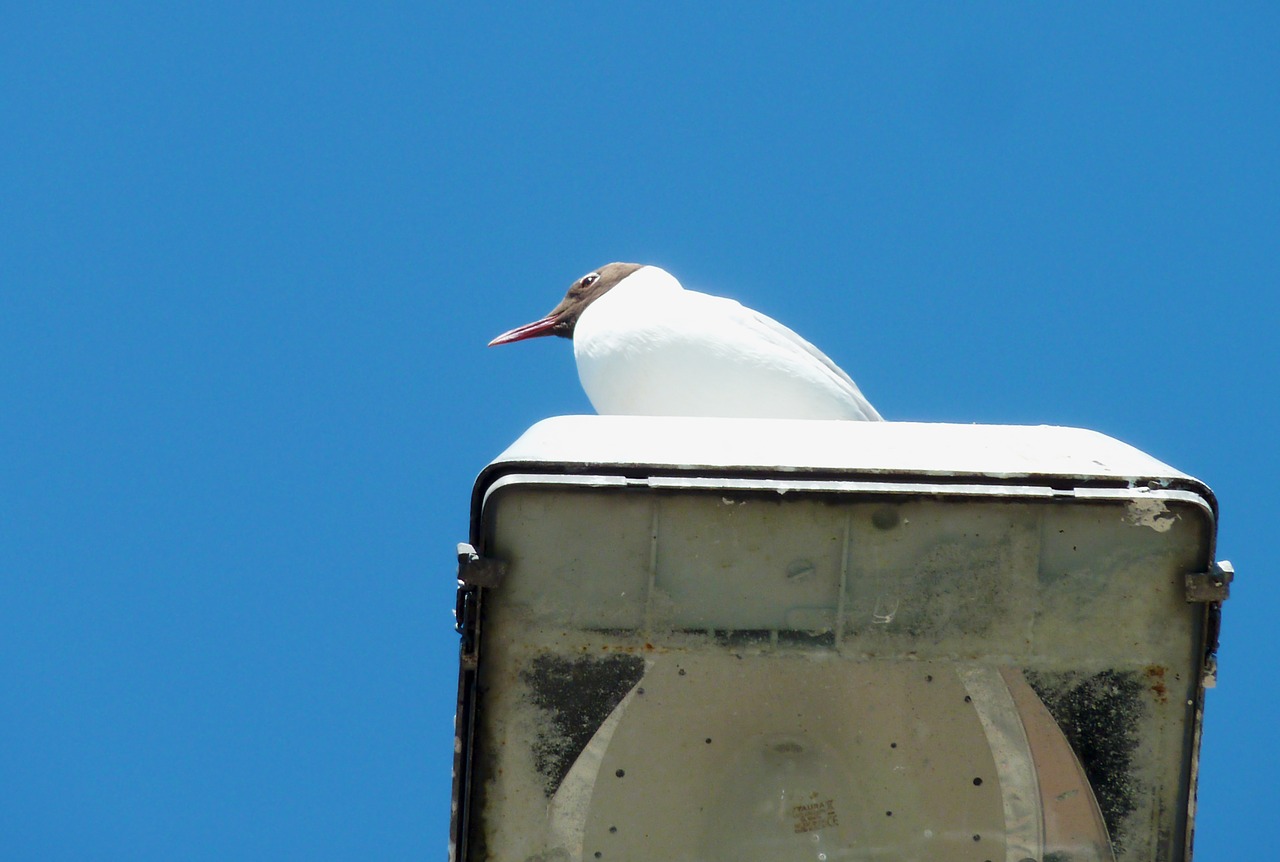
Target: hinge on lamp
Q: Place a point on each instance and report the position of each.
(1211, 586)
(477, 571)
(474, 572)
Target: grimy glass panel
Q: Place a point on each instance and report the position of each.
(690, 677)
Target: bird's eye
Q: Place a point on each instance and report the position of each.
(588, 280)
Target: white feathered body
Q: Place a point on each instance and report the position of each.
(650, 347)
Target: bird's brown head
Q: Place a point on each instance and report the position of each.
(564, 317)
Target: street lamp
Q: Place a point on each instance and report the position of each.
(694, 640)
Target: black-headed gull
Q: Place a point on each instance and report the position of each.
(646, 346)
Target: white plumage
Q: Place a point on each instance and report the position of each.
(646, 346)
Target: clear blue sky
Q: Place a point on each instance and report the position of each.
(250, 256)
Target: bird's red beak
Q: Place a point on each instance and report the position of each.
(529, 330)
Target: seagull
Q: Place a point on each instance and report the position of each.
(645, 346)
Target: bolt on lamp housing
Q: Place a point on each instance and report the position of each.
(693, 640)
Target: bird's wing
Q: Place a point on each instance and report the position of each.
(787, 340)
